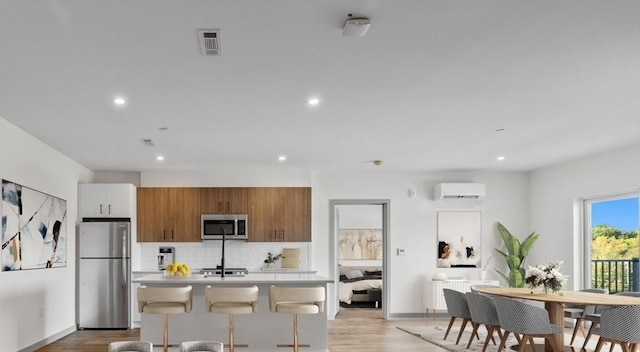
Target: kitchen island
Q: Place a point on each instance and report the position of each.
(262, 330)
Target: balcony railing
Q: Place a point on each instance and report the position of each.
(616, 275)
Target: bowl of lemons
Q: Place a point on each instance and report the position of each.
(177, 270)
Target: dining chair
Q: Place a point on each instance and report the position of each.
(474, 288)
(483, 312)
(201, 346)
(594, 317)
(620, 325)
(130, 346)
(578, 312)
(457, 307)
(529, 321)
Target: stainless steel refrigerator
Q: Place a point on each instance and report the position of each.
(104, 275)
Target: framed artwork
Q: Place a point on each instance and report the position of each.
(459, 239)
(34, 229)
(360, 244)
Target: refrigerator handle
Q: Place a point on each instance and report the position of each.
(124, 274)
(125, 241)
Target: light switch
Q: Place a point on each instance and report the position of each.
(400, 251)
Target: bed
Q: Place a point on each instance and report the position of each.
(359, 285)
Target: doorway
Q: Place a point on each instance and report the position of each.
(359, 240)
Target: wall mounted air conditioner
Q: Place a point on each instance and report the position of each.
(464, 191)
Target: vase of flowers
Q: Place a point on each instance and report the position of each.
(548, 277)
(271, 260)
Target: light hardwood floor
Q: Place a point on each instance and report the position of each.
(354, 330)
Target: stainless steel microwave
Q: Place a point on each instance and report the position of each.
(231, 226)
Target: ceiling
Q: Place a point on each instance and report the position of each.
(424, 90)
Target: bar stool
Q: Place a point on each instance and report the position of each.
(130, 346)
(201, 346)
(231, 300)
(296, 300)
(165, 301)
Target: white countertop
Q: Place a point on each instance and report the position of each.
(262, 278)
(282, 271)
(251, 271)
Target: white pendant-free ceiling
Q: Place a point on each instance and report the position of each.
(425, 89)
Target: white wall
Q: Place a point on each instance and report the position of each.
(361, 216)
(37, 304)
(227, 177)
(413, 222)
(117, 177)
(556, 190)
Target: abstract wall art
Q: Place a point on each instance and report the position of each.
(360, 244)
(459, 239)
(34, 229)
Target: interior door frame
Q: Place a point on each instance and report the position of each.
(386, 247)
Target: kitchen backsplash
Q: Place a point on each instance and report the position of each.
(238, 254)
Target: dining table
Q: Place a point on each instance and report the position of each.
(554, 303)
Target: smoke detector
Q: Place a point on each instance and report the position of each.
(356, 27)
(209, 42)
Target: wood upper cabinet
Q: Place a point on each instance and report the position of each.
(275, 214)
(168, 214)
(224, 200)
(262, 220)
(280, 214)
(150, 205)
(297, 214)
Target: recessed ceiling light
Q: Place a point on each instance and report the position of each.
(500, 130)
(160, 158)
(282, 158)
(378, 162)
(500, 158)
(119, 101)
(313, 101)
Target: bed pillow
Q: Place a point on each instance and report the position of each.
(354, 274)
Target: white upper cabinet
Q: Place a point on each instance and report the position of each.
(106, 200)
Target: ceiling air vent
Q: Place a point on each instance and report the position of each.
(209, 42)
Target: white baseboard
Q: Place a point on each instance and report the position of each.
(49, 339)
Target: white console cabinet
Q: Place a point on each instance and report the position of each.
(106, 200)
(433, 296)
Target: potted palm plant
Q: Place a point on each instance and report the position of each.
(516, 253)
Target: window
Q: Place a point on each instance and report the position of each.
(612, 243)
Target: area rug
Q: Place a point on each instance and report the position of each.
(435, 334)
